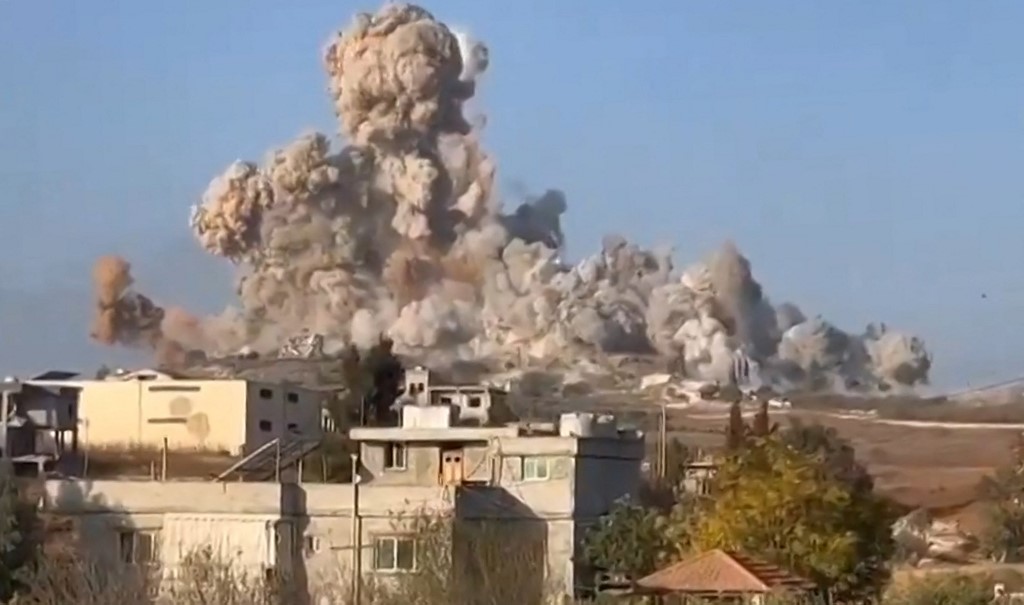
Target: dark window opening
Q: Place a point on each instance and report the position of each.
(474, 402)
(266, 394)
(266, 426)
(394, 553)
(135, 547)
(394, 456)
(293, 427)
(293, 397)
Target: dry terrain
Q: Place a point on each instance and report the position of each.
(927, 464)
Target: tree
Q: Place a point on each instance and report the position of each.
(870, 516)
(372, 381)
(386, 373)
(661, 491)
(762, 423)
(774, 501)
(1003, 538)
(629, 540)
(830, 449)
(736, 431)
(16, 520)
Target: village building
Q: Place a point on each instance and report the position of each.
(149, 408)
(545, 482)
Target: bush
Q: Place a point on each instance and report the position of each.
(946, 589)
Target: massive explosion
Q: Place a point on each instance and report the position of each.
(401, 232)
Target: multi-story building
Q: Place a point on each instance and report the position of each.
(148, 407)
(548, 481)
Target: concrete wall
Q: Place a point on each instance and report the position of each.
(473, 403)
(422, 466)
(281, 410)
(605, 471)
(240, 519)
(222, 415)
(423, 463)
(207, 414)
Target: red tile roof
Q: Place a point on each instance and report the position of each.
(718, 571)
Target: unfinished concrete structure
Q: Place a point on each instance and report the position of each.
(472, 403)
(38, 423)
(546, 483)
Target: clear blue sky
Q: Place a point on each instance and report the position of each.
(868, 156)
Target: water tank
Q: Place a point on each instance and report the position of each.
(576, 424)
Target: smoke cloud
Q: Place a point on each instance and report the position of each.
(402, 232)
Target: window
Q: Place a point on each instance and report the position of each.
(394, 457)
(266, 426)
(394, 553)
(266, 394)
(474, 402)
(536, 468)
(293, 397)
(446, 401)
(311, 545)
(137, 547)
(293, 428)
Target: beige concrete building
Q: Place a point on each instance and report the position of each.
(147, 406)
(547, 481)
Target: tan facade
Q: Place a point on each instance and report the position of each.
(145, 408)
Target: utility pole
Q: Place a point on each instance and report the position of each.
(357, 537)
(663, 441)
(277, 460)
(163, 461)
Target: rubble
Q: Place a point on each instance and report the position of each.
(304, 346)
(924, 539)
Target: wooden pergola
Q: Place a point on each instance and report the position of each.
(724, 576)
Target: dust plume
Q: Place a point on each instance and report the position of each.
(122, 316)
(125, 317)
(401, 231)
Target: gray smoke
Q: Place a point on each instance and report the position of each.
(402, 232)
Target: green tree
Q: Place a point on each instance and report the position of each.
(16, 524)
(869, 516)
(372, 381)
(1003, 538)
(775, 501)
(629, 540)
(736, 430)
(830, 449)
(762, 423)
